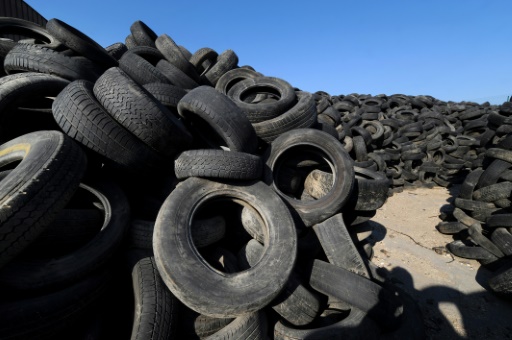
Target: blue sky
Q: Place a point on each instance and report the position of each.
(453, 50)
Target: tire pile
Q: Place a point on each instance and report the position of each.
(195, 198)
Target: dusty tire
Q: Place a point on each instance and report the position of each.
(196, 283)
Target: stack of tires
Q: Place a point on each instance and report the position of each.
(480, 218)
(196, 198)
(186, 195)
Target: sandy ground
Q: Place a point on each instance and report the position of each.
(450, 291)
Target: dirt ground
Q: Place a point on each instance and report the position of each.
(450, 291)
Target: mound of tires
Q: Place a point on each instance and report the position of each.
(195, 198)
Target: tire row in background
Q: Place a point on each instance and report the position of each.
(203, 199)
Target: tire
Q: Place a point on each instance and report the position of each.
(381, 304)
(501, 282)
(50, 171)
(79, 42)
(339, 247)
(468, 185)
(251, 326)
(156, 309)
(45, 273)
(196, 326)
(141, 113)
(357, 325)
(176, 76)
(301, 115)
(218, 164)
(226, 61)
(450, 228)
(297, 304)
(231, 77)
(26, 29)
(458, 248)
(142, 34)
(493, 192)
(253, 224)
(321, 144)
(116, 50)
(207, 231)
(41, 59)
(370, 190)
(192, 281)
(79, 114)
(173, 54)
(140, 234)
(217, 120)
(475, 232)
(502, 238)
(18, 89)
(168, 95)
(499, 220)
(141, 70)
(259, 112)
(203, 58)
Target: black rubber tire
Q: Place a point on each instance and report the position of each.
(475, 232)
(468, 185)
(116, 50)
(499, 220)
(339, 247)
(493, 192)
(217, 120)
(41, 59)
(143, 34)
(45, 273)
(458, 248)
(301, 115)
(312, 212)
(450, 227)
(252, 326)
(259, 112)
(175, 75)
(502, 238)
(18, 89)
(81, 116)
(196, 326)
(381, 304)
(141, 113)
(156, 309)
(231, 77)
(203, 58)
(140, 234)
(218, 164)
(207, 231)
(226, 61)
(357, 325)
(296, 303)
(370, 190)
(168, 95)
(141, 70)
(195, 283)
(501, 282)
(50, 171)
(79, 42)
(473, 205)
(174, 55)
(44, 316)
(253, 224)
(25, 28)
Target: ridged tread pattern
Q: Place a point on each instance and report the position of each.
(34, 193)
(222, 115)
(218, 164)
(156, 309)
(82, 117)
(37, 58)
(140, 113)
